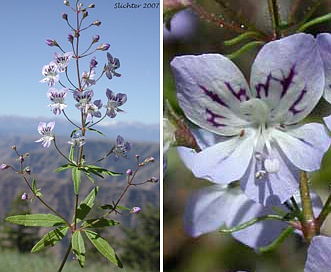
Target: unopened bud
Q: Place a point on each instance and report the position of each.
(96, 23)
(95, 38)
(153, 180)
(28, 170)
(25, 196)
(103, 47)
(14, 147)
(91, 6)
(129, 172)
(135, 210)
(93, 62)
(85, 14)
(65, 16)
(4, 166)
(51, 42)
(70, 38)
(66, 3)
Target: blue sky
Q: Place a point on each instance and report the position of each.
(134, 38)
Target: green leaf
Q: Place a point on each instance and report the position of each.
(51, 238)
(89, 176)
(103, 247)
(72, 153)
(285, 233)
(64, 167)
(96, 169)
(122, 208)
(100, 223)
(76, 178)
(85, 206)
(36, 220)
(35, 190)
(97, 131)
(106, 207)
(78, 247)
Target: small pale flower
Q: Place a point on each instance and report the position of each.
(57, 99)
(114, 102)
(83, 99)
(51, 42)
(50, 74)
(25, 196)
(62, 61)
(45, 130)
(88, 78)
(77, 140)
(92, 110)
(135, 210)
(319, 251)
(260, 141)
(113, 64)
(121, 148)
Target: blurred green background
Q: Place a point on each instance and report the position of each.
(192, 34)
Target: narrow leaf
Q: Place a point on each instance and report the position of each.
(97, 131)
(51, 238)
(64, 167)
(285, 233)
(78, 247)
(100, 223)
(118, 207)
(76, 178)
(315, 21)
(103, 247)
(36, 220)
(72, 153)
(85, 206)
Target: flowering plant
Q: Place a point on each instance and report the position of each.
(79, 86)
(254, 141)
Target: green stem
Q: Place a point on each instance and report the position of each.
(275, 18)
(325, 211)
(285, 233)
(252, 222)
(309, 224)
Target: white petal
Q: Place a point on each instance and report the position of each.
(221, 163)
(304, 146)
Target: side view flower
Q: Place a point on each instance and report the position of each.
(261, 142)
(114, 102)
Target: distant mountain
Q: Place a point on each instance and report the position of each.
(57, 189)
(21, 126)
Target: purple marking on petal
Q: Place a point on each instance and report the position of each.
(286, 81)
(259, 87)
(239, 94)
(296, 102)
(212, 116)
(214, 96)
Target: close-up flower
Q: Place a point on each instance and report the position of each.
(122, 148)
(114, 102)
(57, 99)
(62, 61)
(77, 140)
(92, 110)
(49, 71)
(88, 78)
(261, 142)
(113, 64)
(45, 130)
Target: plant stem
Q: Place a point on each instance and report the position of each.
(325, 211)
(310, 227)
(275, 18)
(65, 258)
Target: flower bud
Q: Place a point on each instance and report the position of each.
(103, 47)
(14, 147)
(70, 38)
(135, 210)
(129, 172)
(93, 62)
(51, 42)
(4, 166)
(28, 170)
(66, 3)
(153, 180)
(96, 23)
(95, 38)
(65, 16)
(25, 196)
(85, 14)
(91, 6)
